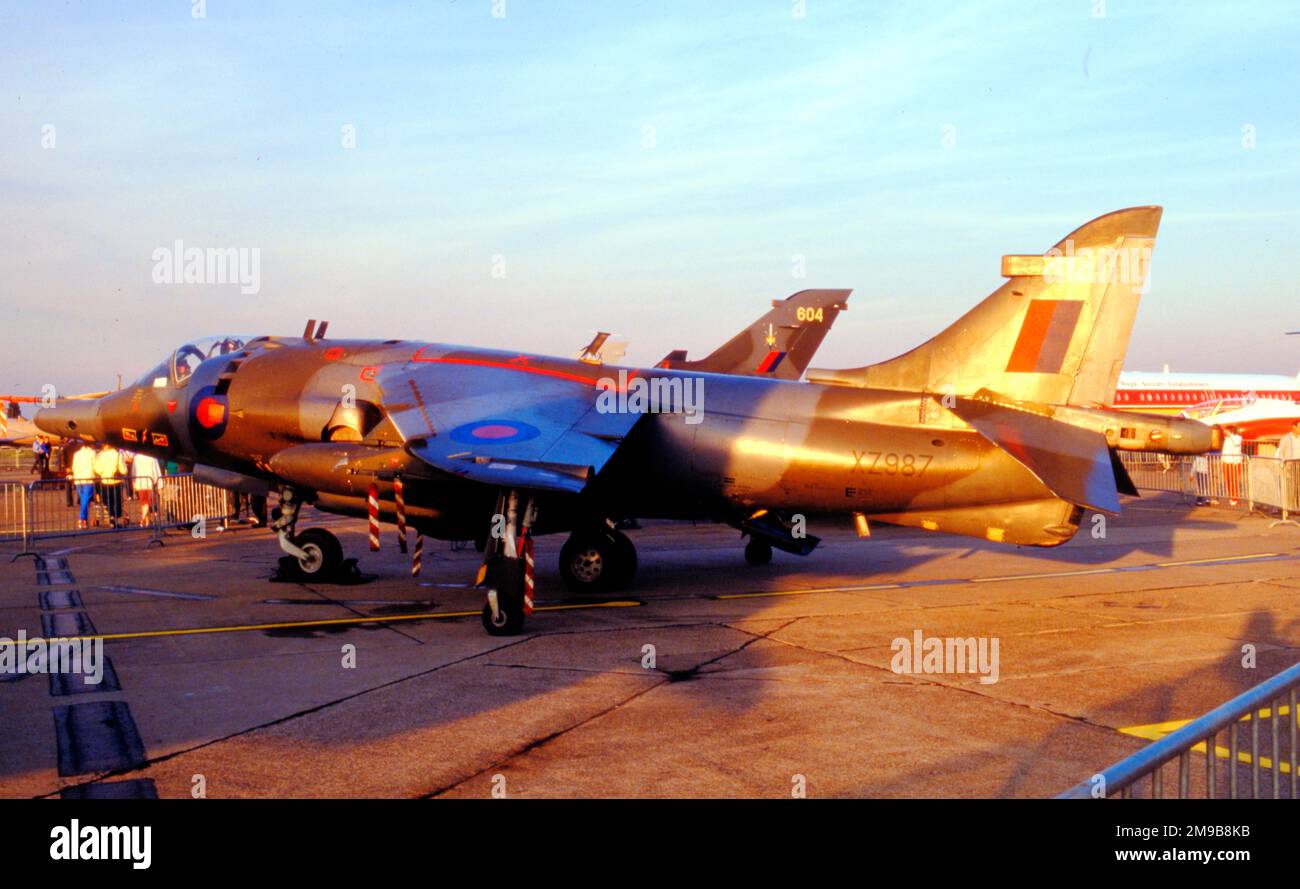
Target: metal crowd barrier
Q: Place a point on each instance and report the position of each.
(31, 511)
(1273, 702)
(16, 459)
(181, 500)
(1251, 481)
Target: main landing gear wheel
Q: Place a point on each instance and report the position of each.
(758, 552)
(507, 572)
(509, 620)
(594, 562)
(323, 550)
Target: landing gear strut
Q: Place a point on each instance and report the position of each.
(597, 560)
(507, 572)
(316, 552)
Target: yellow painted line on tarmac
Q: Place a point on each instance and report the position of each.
(829, 589)
(338, 621)
(1041, 575)
(1219, 559)
(1157, 730)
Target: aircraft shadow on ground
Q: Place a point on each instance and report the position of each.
(695, 570)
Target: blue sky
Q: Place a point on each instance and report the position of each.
(650, 168)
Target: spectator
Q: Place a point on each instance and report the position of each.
(69, 450)
(1232, 463)
(1201, 479)
(41, 460)
(145, 475)
(1288, 446)
(82, 475)
(1288, 451)
(111, 469)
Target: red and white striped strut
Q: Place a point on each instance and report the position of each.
(400, 499)
(417, 555)
(526, 553)
(374, 517)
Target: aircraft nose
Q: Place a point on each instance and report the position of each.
(71, 419)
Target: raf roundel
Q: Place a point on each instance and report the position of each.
(494, 432)
(209, 413)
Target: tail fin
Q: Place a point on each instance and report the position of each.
(1056, 332)
(780, 344)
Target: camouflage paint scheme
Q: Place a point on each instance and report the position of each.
(992, 429)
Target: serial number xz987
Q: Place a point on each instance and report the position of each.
(890, 463)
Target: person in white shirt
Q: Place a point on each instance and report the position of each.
(145, 473)
(1288, 446)
(1232, 463)
(1288, 451)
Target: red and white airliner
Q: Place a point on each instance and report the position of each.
(1264, 406)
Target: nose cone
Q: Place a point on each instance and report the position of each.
(72, 419)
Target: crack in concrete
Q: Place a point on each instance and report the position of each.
(281, 719)
(538, 743)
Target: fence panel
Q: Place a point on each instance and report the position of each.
(15, 459)
(59, 507)
(1244, 481)
(56, 507)
(13, 510)
(182, 500)
(1262, 752)
(1156, 472)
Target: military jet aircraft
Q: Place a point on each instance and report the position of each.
(15, 429)
(992, 429)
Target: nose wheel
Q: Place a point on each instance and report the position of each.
(315, 554)
(322, 553)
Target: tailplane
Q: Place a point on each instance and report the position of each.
(1056, 332)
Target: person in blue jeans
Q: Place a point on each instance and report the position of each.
(82, 475)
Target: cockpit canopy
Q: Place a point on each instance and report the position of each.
(176, 369)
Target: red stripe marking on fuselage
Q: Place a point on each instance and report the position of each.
(505, 365)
